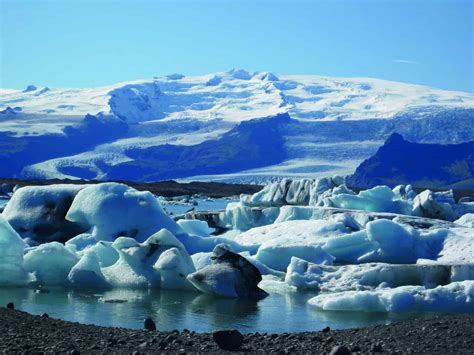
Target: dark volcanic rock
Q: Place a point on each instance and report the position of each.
(148, 324)
(421, 165)
(22, 332)
(228, 339)
(11, 305)
(340, 350)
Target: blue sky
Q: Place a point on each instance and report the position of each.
(79, 43)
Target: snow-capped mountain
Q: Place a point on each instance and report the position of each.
(210, 127)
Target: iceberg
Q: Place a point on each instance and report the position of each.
(196, 227)
(112, 210)
(12, 272)
(466, 220)
(87, 273)
(454, 297)
(50, 263)
(229, 275)
(38, 213)
(377, 199)
(325, 278)
(438, 205)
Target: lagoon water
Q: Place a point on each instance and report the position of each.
(278, 313)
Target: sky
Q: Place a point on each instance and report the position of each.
(85, 43)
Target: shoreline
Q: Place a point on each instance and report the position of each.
(23, 332)
(168, 188)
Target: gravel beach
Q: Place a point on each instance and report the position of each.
(25, 333)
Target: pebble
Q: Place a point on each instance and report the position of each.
(228, 339)
(340, 350)
(149, 324)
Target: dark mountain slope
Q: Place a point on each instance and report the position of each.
(251, 144)
(422, 165)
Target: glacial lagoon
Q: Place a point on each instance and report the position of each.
(278, 313)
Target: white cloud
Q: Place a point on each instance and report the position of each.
(405, 61)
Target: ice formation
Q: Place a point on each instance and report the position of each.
(325, 278)
(229, 275)
(384, 250)
(112, 210)
(454, 297)
(38, 212)
(50, 263)
(466, 220)
(12, 247)
(196, 227)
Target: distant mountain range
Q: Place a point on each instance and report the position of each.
(437, 166)
(231, 126)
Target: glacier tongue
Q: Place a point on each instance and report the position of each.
(336, 122)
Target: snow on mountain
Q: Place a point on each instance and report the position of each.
(335, 122)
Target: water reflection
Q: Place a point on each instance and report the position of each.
(282, 312)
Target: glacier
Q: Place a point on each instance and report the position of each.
(118, 131)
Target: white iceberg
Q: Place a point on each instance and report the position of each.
(50, 263)
(196, 227)
(12, 248)
(325, 278)
(38, 212)
(454, 297)
(113, 210)
(377, 199)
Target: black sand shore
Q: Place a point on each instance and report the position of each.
(163, 188)
(24, 333)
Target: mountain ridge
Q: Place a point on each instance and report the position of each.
(335, 123)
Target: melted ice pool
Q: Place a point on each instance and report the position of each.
(171, 310)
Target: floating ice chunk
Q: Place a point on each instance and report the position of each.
(219, 280)
(37, 212)
(454, 297)
(162, 241)
(435, 205)
(285, 192)
(280, 241)
(113, 210)
(279, 256)
(319, 188)
(196, 227)
(402, 244)
(87, 273)
(81, 242)
(240, 217)
(230, 275)
(275, 284)
(377, 199)
(106, 253)
(50, 263)
(386, 241)
(11, 257)
(458, 246)
(324, 278)
(130, 272)
(466, 220)
(405, 192)
(201, 260)
(160, 261)
(173, 269)
(264, 269)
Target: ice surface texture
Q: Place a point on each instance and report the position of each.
(378, 250)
